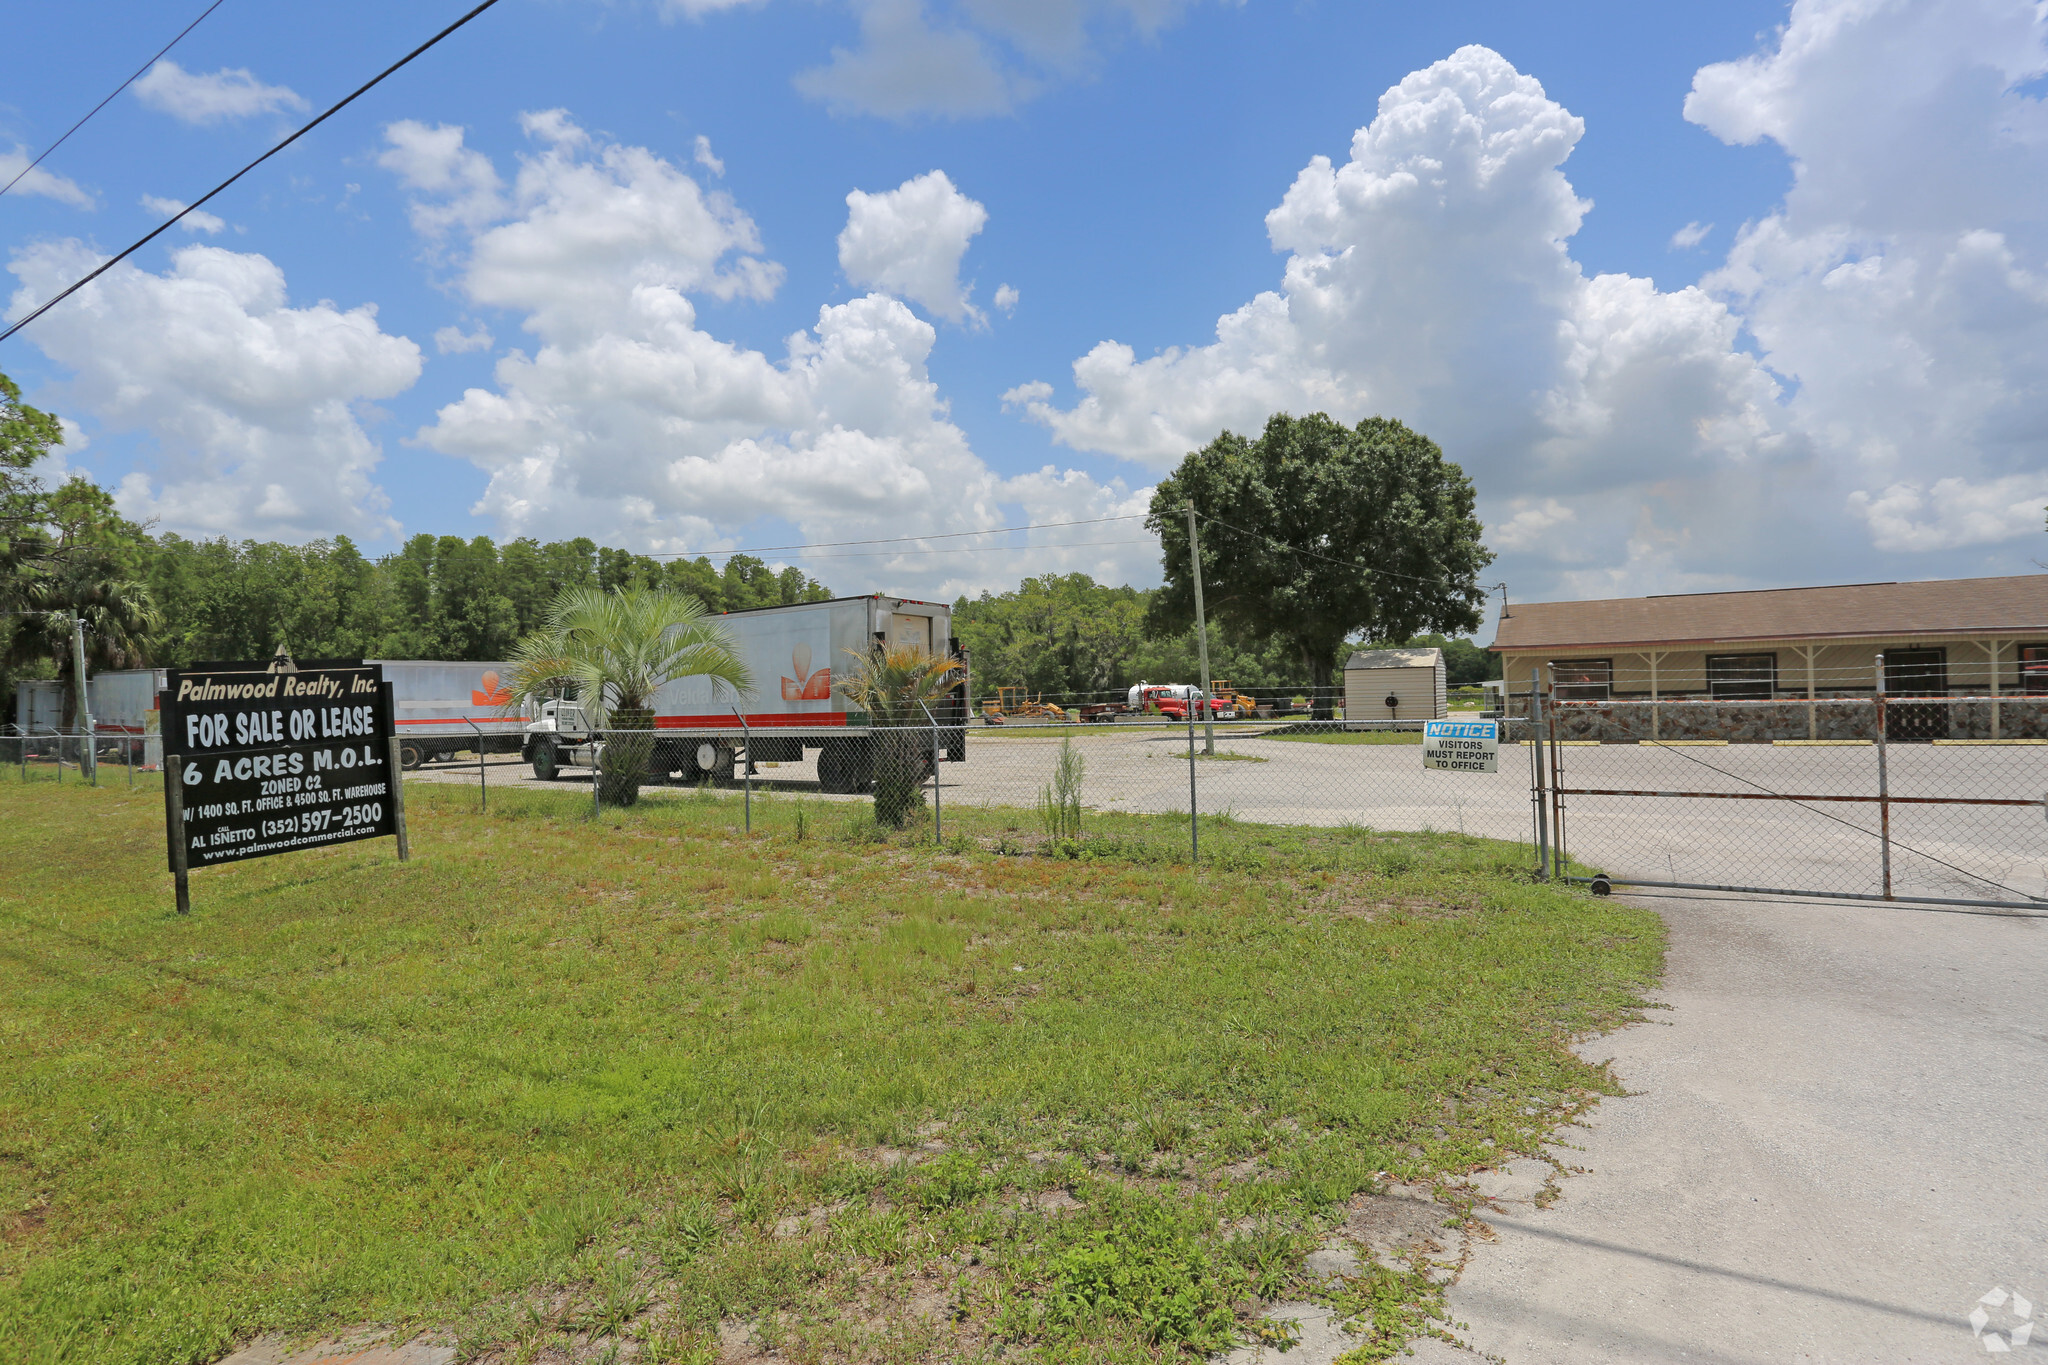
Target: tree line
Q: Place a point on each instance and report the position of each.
(1318, 538)
(1065, 635)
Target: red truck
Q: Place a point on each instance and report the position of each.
(1174, 700)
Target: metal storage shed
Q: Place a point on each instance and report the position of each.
(1413, 679)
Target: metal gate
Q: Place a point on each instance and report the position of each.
(1880, 817)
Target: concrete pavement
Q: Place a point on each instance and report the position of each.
(1836, 1146)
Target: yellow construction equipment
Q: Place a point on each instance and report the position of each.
(1015, 702)
(1221, 692)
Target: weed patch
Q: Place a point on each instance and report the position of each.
(564, 1085)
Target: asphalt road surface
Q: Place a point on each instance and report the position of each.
(1836, 1148)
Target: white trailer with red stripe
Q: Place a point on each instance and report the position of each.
(797, 654)
(441, 708)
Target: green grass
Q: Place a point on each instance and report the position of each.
(568, 1080)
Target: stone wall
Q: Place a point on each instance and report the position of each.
(1762, 722)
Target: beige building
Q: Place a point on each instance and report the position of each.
(1967, 637)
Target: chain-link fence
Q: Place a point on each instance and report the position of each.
(97, 758)
(1279, 773)
(1899, 799)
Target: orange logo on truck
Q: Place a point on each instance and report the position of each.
(806, 685)
(494, 693)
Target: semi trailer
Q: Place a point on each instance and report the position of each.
(798, 656)
(441, 708)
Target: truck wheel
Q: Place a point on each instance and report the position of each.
(547, 764)
(716, 761)
(410, 756)
(843, 767)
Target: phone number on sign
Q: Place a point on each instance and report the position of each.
(319, 821)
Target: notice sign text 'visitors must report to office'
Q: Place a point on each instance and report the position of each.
(279, 756)
(1461, 746)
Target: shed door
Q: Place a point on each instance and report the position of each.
(911, 632)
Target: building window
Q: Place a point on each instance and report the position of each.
(1916, 672)
(1582, 679)
(2034, 670)
(1742, 677)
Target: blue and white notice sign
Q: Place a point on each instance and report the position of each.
(1461, 746)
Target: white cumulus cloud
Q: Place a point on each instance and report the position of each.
(1955, 512)
(254, 405)
(1690, 236)
(455, 186)
(213, 98)
(455, 341)
(632, 422)
(1903, 283)
(1006, 298)
(1623, 438)
(965, 59)
(39, 181)
(704, 157)
(909, 242)
(199, 220)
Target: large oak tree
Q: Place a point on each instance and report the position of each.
(1316, 532)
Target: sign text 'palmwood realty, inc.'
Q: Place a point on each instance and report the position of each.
(276, 756)
(1461, 746)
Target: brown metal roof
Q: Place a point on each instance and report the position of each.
(1953, 606)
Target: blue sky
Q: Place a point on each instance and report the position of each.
(1635, 436)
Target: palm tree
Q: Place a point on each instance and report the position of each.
(119, 615)
(894, 686)
(617, 649)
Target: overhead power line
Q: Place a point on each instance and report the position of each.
(898, 540)
(110, 98)
(329, 113)
(1341, 563)
(967, 550)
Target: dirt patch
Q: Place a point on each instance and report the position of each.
(1052, 1202)
(1394, 1225)
(22, 1224)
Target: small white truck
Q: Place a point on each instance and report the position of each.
(795, 653)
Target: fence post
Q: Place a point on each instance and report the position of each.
(174, 817)
(938, 807)
(1884, 793)
(1194, 825)
(483, 794)
(596, 779)
(128, 752)
(398, 796)
(1559, 858)
(1538, 795)
(747, 770)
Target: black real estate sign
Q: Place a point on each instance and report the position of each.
(276, 756)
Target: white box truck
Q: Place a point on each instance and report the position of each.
(797, 654)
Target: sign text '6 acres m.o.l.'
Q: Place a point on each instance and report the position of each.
(1461, 746)
(276, 756)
